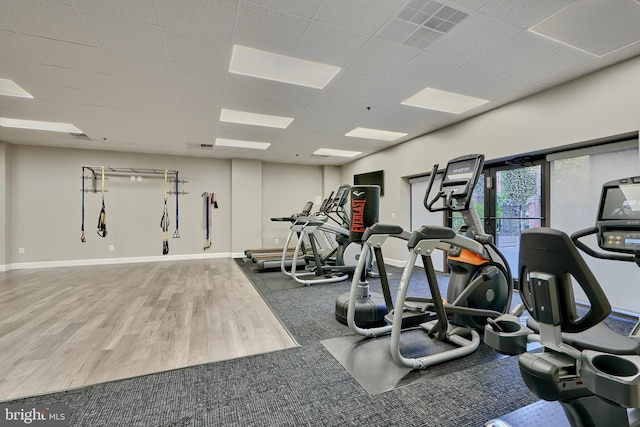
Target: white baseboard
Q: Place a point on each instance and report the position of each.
(395, 262)
(107, 261)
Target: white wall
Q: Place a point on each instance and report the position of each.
(285, 190)
(5, 198)
(40, 207)
(246, 188)
(46, 206)
(599, 105)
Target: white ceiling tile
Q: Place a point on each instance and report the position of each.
(469, 4)
(43, 81)
(471, 38)
(45, 19)
(501, 87)
(197, 50)
(514, 52)
(464, 79)
(4, 25)
(269, 30)
(326, 106)
(197, 77)
(71, 55)
(523, 13)
(287, 99)
(380, 58)
(138, 10)
(305, 8)
(131, 38)
(405, 119)
(357, 114)
(147, 67)
(557, 61)
(213, 19)
(393, 91)
(329, 45)
(67, 2)
(350, 82)
(241, 86)
(426, 68)
(144, 92)
(363, 16)
(16, 46)
(172, 61)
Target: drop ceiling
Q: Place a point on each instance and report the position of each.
(152, 76)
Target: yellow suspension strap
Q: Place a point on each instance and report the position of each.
(164, 222)
(102, 218)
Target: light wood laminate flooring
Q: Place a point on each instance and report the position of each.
(63, 328)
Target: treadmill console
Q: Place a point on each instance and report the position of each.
(618, 222)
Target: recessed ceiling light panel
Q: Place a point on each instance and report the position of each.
(441, 100)
(271, 66)
(383, 135)
(11, 88)
(243, 117)
(37, 125)
(336, 153)
(235, 143)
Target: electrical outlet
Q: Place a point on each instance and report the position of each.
(21, 251)
(112, 248)
(277, 241)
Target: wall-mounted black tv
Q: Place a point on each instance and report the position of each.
(370, 178)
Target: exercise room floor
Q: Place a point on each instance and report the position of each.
(68, 327)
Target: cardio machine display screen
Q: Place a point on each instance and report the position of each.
(620, 202)
(463, 170)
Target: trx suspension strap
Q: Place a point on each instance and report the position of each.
(83, 239)
(176, 234)
(207, 220)
(164, 222)
(102, 218)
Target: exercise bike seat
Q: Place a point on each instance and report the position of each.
(599, 337)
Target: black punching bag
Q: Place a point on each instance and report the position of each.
(365, 208)
(370, 308)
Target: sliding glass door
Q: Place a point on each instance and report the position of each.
(509, 199)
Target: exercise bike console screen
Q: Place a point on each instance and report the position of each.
(619, 216)
(621, 202)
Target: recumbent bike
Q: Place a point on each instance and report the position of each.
(592, 371)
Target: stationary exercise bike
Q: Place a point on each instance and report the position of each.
(480, 282)
(592, 371)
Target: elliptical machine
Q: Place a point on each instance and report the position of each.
(480, 283)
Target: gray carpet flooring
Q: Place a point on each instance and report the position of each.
(304, 386)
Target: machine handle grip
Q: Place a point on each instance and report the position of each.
(596, 254)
